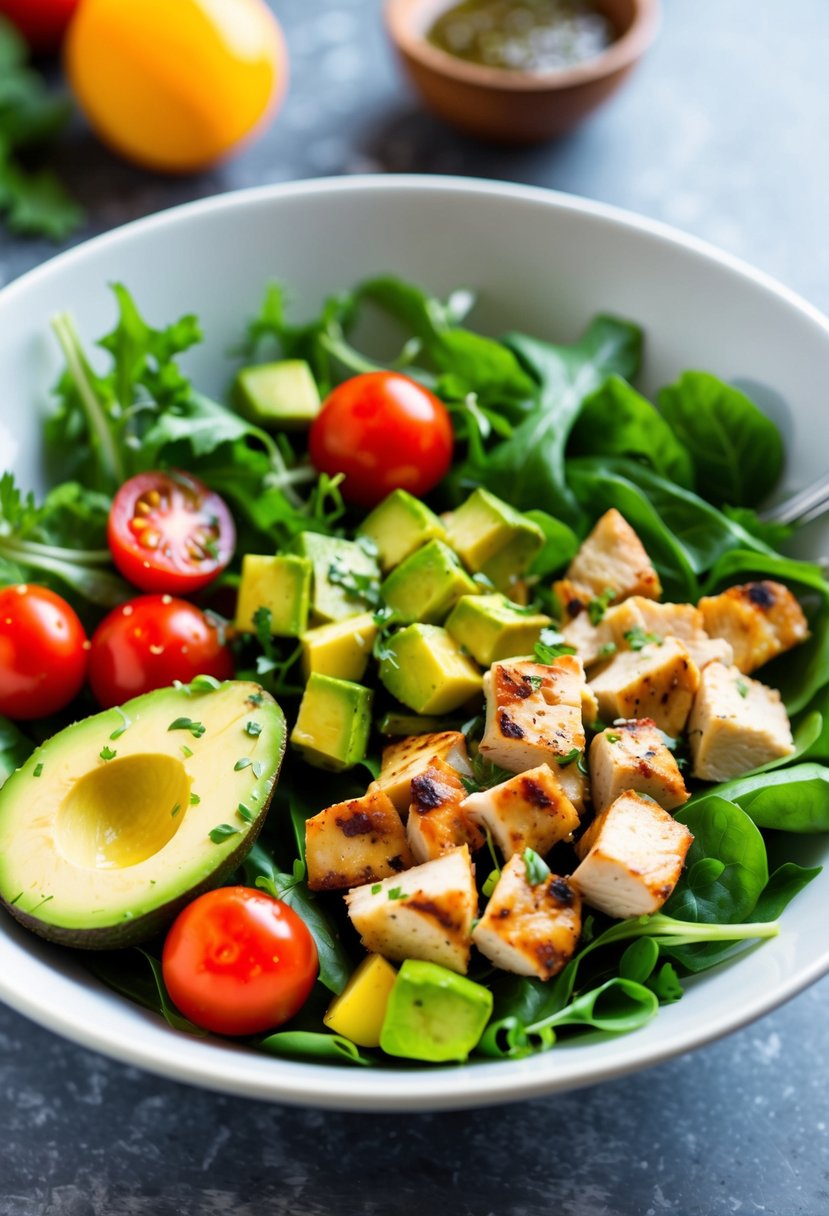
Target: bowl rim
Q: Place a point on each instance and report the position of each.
(217, 1066)
(620, 55)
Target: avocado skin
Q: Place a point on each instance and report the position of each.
(142, 928)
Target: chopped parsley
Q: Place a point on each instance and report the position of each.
(376, 888)
(396, 893)
(253, 729)
(607, 651)
(551, 646)
(175, 810)
(612, 737)
(534, 682)
(245, 762)
(363, 587)
(196, 729)
(221, 832)
(194, 800)
(108, 753)
(205, 684)
(245, 813)
(568, 757)
(536, 868)
(186, 751)
(598, 606)
(637, 638)
(126, 723)
(742, 688)
(38, 769)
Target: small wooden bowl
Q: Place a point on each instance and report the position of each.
(514, 107)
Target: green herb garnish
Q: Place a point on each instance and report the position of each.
(196, 729)
(221, 832)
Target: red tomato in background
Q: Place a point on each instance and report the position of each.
(237, 961)
(384, 432)
(151, 641)
(168, 532)
(43, 652)
(41, 22)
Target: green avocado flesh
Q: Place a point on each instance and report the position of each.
(110, 827)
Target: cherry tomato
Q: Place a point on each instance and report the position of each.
(43, 652)
(175, 84)
(151, 641)
(237, 961)
(168, 532)
(385, 432)
(41, 22)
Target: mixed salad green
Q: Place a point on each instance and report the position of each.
(560, 434)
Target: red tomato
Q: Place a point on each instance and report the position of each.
(385, 432)
(43, 652)
(168, 532)
(237, 961)
(41, 22)
(151, 641)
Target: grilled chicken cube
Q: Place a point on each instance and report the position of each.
(638, 615)
(530, 929)
(355, 842)
(632, 857)
(613, 557)
(534, 715)
(632, 755)
(407, 757)
(593, 643)
(437, 822)
(736, 725)
(425, 913)
(760, 620)
(659, 682)
(530, 811)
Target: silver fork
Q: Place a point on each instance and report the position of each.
(802, 507)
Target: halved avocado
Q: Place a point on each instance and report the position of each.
(118, 821)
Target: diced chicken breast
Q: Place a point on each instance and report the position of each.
(683, 621)
(407, 757)
(760, 620)
(736, 725)
(632, 755)
(425, 913)
(530, 929)
(530, 811)
(573, 598)
(632, 857)
(437, 822)
(593, 643)
(613, 556)
(534, 716)
(659, 682)
(355, 842)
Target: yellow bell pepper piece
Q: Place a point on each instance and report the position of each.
(359, 1010)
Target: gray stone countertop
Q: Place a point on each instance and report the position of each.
(722, 132)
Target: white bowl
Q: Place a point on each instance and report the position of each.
(542, 262)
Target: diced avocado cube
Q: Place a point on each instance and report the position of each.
(434, 1014)
(425, 669)
(278, 396)
(492, 628)
(282, 585)
(399, 525)
(333, 723)
(342, 570)
(492, 537)
(341, 648)
(426, 585)
(358, 1012)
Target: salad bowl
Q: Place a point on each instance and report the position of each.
(539, 262)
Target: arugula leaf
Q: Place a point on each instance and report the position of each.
(737, 451)
(528, 468)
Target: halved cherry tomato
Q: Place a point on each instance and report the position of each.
(237, 961)
(168, 532)
(385, 432)
(43, 652)
(41, 22)
(151, 641)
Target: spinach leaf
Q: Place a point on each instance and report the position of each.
(737, 450)
(618, 421)
(15, 749)
(136, 974)
(794, 799)
(260, 871)
(310, 1045)
(726, 866)
(784, 884)
(560, 544)
(527, 469)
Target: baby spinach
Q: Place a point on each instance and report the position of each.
(615, 420)
(312, 1045)
(136, 974)
(737, 451)
(726, 866)
(794, 799)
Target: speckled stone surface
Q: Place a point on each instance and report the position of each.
(722, 132)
